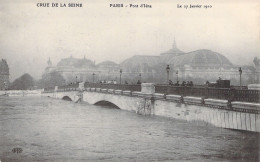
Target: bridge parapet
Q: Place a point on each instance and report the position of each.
(110, 90)
(243, 95)
(127, 93)
(216, 103)
(219, 112)
(176, 98)
(118, 92)
(193, 100)
(231, 94)
(246, 107)
(123, 87)
(148, 90)
(135, 93)
(159, 96)
(104, 90)
(81, 86)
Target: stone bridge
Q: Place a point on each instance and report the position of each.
(219, 113)
(122, 99)
(68, 95)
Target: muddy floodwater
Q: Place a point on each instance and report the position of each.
(45, 129)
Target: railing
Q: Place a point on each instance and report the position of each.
(123, 87)
(69, 86)
(49, 89)
(215, 93)
(197, 91)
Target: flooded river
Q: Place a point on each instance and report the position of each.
(45, 129)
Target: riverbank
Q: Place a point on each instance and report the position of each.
(36, 92)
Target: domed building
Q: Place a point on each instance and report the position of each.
(200, 58)
(140, 63)
(174, 51)
(49, 67)
(72, 62)
(76, 69)
(109, 66)
(200, 65)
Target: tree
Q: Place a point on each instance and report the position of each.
(23, 83)
(51, 79)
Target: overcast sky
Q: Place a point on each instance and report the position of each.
(29, 35)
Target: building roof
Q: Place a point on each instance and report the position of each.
(174, 51)
(74, 62)
(201, 58)
(107, 63)
(138, 62)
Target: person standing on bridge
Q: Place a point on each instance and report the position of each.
(170, 82)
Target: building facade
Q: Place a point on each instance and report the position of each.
(198, 66)
(78, 70)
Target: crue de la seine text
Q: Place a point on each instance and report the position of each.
(59, 5)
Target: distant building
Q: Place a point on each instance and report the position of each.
(49, 67)
(109, 66)
(4, 75)
(200, 64)
(140, 64)
(74, 69)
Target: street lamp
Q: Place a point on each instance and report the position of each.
(168, 70)
(120, 75)
(5, 85)
(177, 76)
(93, 77)
(240, 73)
(140, 75)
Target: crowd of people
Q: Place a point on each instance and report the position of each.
(108, 82)
(115, 82)
(184, 83)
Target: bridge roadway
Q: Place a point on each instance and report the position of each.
(219, 113)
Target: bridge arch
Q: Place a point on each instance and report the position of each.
(107, 103)
(66, 98)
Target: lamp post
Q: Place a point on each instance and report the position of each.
(168, 70)
(120, 75)
(177, 76)
(140, 75)
(5, 86)
(240, 73)
(93, 77)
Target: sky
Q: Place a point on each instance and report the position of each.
(29, 35)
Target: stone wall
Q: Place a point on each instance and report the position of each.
(213, 116)
(242, 115)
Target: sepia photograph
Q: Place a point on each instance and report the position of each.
(129, 80)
